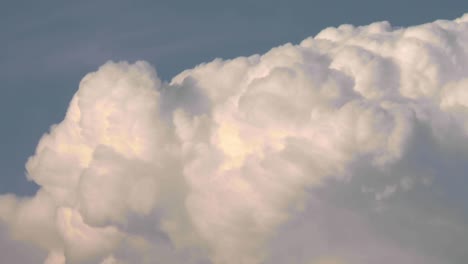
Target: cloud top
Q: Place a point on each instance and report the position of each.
(217, 159)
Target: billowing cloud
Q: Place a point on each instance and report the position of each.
(214, 164)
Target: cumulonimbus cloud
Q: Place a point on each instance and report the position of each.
(219, 157)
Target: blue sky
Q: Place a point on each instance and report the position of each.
(412, 207)
(49, 46)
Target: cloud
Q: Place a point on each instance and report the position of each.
(220, 158)
(328, 260)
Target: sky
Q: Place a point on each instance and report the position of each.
(200, 136)
(49, 46)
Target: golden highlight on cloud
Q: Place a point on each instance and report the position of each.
(210, 165)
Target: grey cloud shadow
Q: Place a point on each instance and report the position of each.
(186, 96)
(426, 224)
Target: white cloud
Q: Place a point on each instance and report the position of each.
(219, 157)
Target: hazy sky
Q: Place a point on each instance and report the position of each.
(347, 146)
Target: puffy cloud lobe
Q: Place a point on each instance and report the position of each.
(224, 170)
